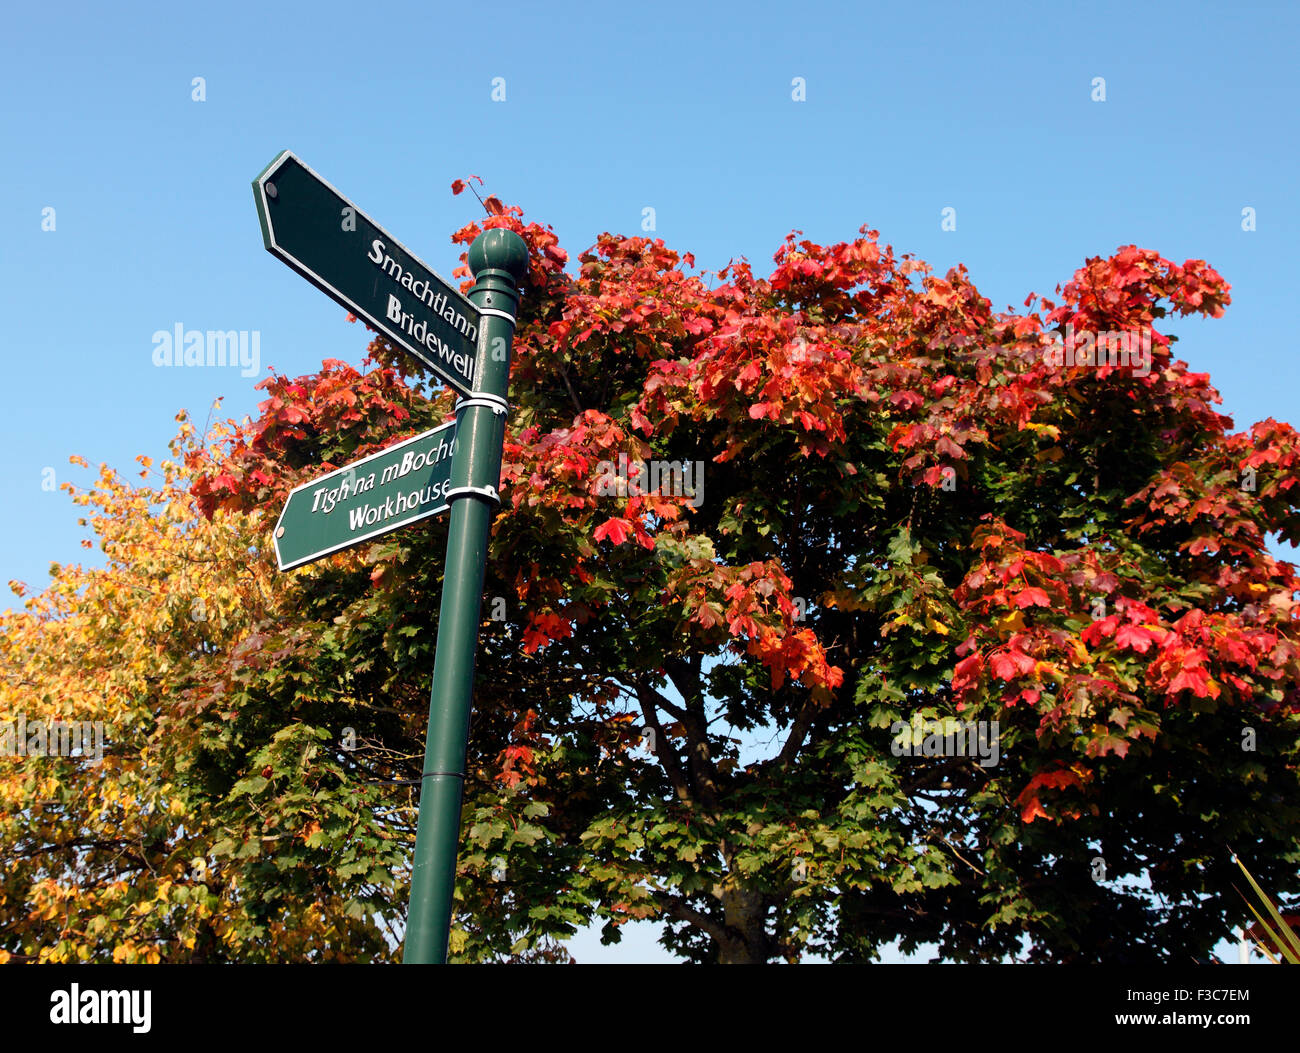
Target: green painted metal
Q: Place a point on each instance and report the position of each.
(370, 497)
(498, 259)
(339, 249)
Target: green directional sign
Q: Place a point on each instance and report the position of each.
(339, 249)
(400, 485)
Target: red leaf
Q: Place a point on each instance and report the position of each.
(1033, 809)
(614, 529)
(1007, 664)
(1136, 638)
(966, 672)
(906, 399)
(707, 616)
(1031, 597)
(1099, 630)
(1193, 679)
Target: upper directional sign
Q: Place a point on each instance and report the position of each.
(336, 247)
(403, 484)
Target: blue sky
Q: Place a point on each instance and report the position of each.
(683, 108)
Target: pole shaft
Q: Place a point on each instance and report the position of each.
(498, 258)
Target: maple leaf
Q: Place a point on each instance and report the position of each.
(1192, 678)
(1100, 629)
(615, 529)
(1030, 597)
(1032, 809)
(1007, 664)
(966, 672)
(1137, 637)
(708, 615)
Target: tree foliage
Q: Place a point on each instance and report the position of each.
(908, 510)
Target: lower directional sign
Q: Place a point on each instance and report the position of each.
(400, 485)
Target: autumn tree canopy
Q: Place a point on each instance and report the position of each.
(909, 508)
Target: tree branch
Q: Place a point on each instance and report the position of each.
(649, 699)
(683, 912)
(573, 395)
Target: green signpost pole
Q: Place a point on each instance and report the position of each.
(498, 260)
(466, 342)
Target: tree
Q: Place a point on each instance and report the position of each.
(898, 506)
(213, 826)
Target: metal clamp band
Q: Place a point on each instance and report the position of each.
(500, 314)
(477, 491)
(482, 398)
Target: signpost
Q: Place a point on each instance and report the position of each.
(339, 249)
(402, 484)
(317, 232)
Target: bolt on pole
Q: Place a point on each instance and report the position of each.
(498, 259)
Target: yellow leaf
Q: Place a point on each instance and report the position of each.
(1050, 430)
(902, 620)
(1009, 623)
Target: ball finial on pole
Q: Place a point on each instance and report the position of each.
(499, 249)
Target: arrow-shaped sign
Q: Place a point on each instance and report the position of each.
(390, 489)
(339, 249)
